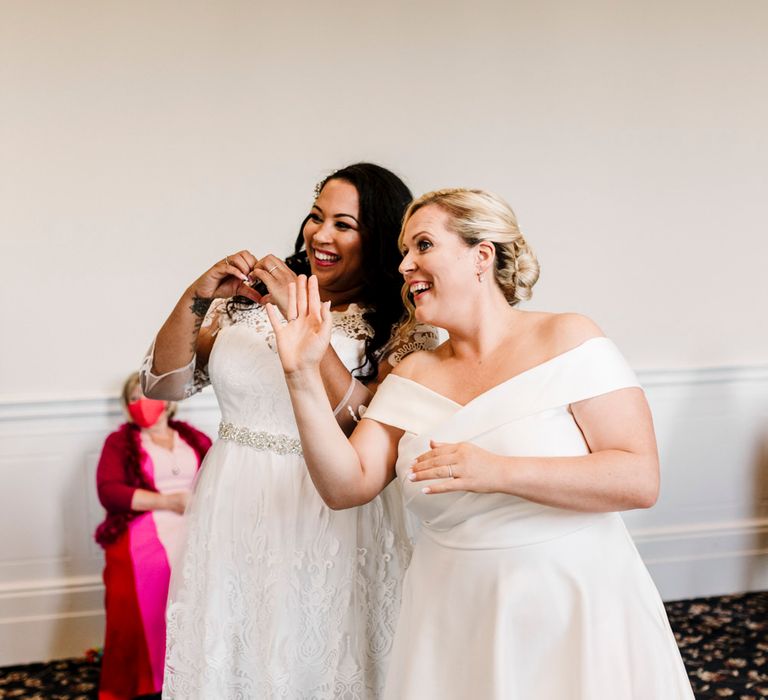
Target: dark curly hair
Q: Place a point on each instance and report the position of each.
(383, 198)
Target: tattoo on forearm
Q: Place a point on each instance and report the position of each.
(200, 306)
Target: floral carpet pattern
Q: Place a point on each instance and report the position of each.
(723, 640)
(724, 643)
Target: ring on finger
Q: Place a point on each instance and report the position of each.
(271, 269)
(226, 260)
(450, 471)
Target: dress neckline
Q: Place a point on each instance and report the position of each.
(504, 382)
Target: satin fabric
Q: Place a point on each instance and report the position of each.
(509, 599)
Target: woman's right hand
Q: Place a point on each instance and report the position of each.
(227, 278)
(304, 339)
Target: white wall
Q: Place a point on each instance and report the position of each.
(141, 141)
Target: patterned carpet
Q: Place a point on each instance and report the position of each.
(724, 642)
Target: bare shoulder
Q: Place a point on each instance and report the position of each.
(563, 332)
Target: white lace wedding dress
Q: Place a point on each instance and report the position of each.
(276, 595)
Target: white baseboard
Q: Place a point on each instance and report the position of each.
(50, 619)
(706, 559)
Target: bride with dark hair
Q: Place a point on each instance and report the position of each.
(277, 595)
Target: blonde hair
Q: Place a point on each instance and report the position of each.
(475, 216)
(130, 384)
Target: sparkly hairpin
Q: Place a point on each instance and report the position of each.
(319, 186)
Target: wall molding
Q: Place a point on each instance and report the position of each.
(751, 526)
(50, 618)
(76, 600)
(726, 374)
(706, 559)
(59, 406)
(63, 407)
(642, 536)
(51, 586)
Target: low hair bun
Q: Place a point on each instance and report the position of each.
(478, 215)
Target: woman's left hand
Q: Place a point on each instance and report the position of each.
(462, 466)
(277, 277)
(303, 340)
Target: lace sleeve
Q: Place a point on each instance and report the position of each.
(183, 382)
(420, 337)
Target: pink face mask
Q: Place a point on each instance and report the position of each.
(145, 412)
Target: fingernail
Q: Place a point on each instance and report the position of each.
(247, 280)
(426, 489)
(411, 475)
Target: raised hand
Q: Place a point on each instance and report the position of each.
(304, 339)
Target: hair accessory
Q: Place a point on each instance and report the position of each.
(319, 186)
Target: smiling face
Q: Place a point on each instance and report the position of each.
(438, 266)
(333, 241)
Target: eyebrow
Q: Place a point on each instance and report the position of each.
(417, 234)
(336, 216)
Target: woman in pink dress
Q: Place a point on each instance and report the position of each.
(144, 478)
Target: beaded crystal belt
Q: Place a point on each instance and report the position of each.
(259, 440)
